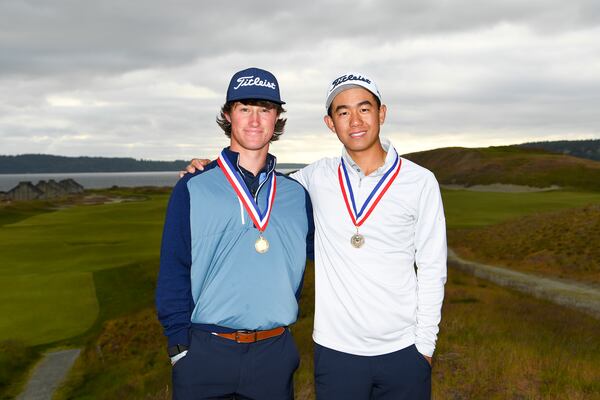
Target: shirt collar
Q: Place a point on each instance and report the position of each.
(390, 158)
(234, 157)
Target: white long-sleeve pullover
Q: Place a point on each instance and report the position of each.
(369, 300)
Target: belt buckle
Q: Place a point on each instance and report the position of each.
(237, 336)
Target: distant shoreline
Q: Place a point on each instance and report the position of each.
(47, 163)
(102, 180)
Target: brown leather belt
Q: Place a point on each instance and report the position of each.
(251, 336)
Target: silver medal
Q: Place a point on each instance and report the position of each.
(357, 240)
(261, 245)
(360, 215)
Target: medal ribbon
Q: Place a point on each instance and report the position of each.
(260, 218)
(359, 217)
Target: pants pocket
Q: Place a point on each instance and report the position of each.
(421, 357)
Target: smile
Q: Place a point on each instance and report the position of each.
(358, 134)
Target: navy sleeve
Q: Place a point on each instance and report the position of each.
(174, 302)
(310, 236)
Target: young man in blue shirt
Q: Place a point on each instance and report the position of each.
(232, 258)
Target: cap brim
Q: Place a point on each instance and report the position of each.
(340, 89)
(256, 98)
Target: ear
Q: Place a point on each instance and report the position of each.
(382, 112)
(329, 122)
(227, 117)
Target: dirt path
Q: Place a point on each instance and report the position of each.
(567, 293)
(48, 374)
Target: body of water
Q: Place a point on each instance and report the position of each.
(96, 180)
(99, 180)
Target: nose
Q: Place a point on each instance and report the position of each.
(254, 119)
(355, 119)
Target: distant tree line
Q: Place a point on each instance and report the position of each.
(589, 149)
(45, 163)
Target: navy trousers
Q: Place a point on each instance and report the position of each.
(218, 368)
(401, 375)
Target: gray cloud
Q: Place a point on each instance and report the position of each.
(40, 37)
(146, 78)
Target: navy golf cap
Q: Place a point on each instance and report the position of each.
(255, 84)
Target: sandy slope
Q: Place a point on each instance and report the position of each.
(571, 294)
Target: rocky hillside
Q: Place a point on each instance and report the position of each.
(509, 165)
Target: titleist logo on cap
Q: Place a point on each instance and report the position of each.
(252, 81)
(346, 78)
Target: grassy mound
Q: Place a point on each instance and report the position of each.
(495, 343)
(560, 243)
(127, 361)
(466, 209)
(125, 338)
(15, 359)
(509, 165)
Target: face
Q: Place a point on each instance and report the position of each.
(251, 126)
(355, 119)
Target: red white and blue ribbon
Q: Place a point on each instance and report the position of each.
(360, 216)
(260, 218)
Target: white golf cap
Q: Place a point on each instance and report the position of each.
(350, 80)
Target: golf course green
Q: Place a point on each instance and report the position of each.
(47, 261)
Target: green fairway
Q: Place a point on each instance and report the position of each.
(465, 209)
(22, 210)
(83, 238)
(45, 308)
(47, 263)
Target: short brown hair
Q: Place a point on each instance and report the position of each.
(227, 107)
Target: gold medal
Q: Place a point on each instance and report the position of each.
(258, 216)
(357, 240)
(261, 245)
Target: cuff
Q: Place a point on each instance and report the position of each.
(424, 349)
(178, 357)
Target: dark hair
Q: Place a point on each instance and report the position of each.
(375, 97)
(227, 107)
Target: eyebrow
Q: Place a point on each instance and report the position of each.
(362, 103)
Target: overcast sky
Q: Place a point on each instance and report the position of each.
(146, 79)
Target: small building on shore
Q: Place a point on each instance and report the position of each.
(23, 191)
(50, 189)
(71, 186)
(44, 190)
